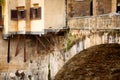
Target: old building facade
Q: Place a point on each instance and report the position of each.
(33, 16)
(41, 16)
(32, 53)
(78, 8)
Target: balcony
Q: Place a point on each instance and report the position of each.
(106, 21)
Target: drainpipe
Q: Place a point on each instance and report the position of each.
(24, 48)
(8, 54)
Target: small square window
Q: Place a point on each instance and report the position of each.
(21, 14)
(14, 14)
(35, 13)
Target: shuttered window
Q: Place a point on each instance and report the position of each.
(39, 13)
(0, 12)
(17, 15)
(21, 14)
(35, 13)
(14, 14)
(31, 13)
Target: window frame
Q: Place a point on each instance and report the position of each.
(21, 14)
(14, 14)
(35, 13)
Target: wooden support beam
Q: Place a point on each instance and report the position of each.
(41, 42)
(53, 40)
(37, 50)
(24, 48)
(17, 48)
(48, 41)
(8, 55)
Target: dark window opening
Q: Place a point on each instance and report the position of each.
(31, 13)
(14, 14)
(1, 18)
(118, 6)
(91, 8)
(35, 13)
(118, 9)
(21, 14)
(0, 12)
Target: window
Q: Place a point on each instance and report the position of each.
(0, 12)
(35, 13)
(14, 14)
(18, 13)
(21, 14)
(91, 8)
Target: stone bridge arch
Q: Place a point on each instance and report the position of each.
(59, 58)
(95, 63)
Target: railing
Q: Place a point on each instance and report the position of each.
(106, 21)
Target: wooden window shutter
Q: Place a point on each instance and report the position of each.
(24, 13)
(14, 14)
(39, 12)
(31, 13)
(0, 12)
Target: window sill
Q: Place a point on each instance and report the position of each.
(36, 19)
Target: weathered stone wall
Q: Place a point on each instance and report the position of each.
(39, 66)
(44, 66)
(78, 8)
(108, 21)
(92, 38)
(36, 65)
(85, 8)
(102, 6)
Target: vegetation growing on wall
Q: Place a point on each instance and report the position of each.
(72, 39)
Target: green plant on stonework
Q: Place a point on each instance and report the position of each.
(68, 41)
(74, 36)
(49, 71)
(48, 66)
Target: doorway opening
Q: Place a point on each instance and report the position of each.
(118, 6)
(118, 9)
(91, 8)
